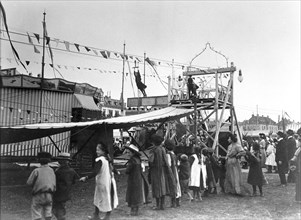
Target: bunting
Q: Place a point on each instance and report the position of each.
(77, 47)
(103, 53)
(34, 47)
(6, 28)
(37, 37)
(67, 44)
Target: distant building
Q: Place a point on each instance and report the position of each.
(111, 107)
(259, 124)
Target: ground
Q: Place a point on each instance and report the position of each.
(278, 202)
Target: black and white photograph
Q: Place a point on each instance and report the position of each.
(130, 109)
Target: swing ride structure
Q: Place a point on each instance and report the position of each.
(209, 102)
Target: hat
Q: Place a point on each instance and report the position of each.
(290, 132)
(281, 134)
(262, 135)
(63, 156)
(183, 157)
(133, 148)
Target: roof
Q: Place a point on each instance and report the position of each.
(20, 133)
(86, 102)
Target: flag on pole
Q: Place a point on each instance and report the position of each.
(48, 42)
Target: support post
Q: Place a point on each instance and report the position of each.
(232, 99)
(216, 113)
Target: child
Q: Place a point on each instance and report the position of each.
(197, 182)
(42, 181)
(137, 187)
(255, 176)
(184, 175)
(65, 177)
(105, 196)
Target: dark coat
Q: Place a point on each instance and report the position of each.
(291, 147)
(159, 170)
(137, 188)
(281, 152)
(184, 170)
(172, 175)
(255, 176)
(65, 177)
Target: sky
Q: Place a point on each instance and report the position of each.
(261, 38)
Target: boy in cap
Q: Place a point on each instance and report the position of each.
(65, 178)
(42, 181)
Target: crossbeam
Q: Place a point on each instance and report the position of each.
(210, 71)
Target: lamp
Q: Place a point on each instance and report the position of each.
(240, 77)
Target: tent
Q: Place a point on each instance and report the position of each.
(21, 133)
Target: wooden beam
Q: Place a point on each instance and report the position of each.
(210, 71)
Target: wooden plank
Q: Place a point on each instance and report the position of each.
(210, 71)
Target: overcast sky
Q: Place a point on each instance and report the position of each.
(262, 38)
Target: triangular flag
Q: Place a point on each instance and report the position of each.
(27, 62)
(67, 44)
(95, 52)
(103, 53)
(77, 47)
(28, 111)
(47, 40)
(108, 53)
(56, 41)
(88, 49)
(11, 109)
(116, 54)
(29, 39)
(19, 110)
(36, 49)
(37, 36)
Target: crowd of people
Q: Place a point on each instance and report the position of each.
(170, 175)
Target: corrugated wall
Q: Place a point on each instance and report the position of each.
(22, 106)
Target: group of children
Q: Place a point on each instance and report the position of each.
(51, 189)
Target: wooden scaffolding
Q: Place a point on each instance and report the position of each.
(213, 100)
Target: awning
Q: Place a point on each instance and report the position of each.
(84, 101)
(33, 131)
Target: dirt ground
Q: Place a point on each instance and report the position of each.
(278, 202)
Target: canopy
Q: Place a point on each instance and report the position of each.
(85, 101)
(21, 133)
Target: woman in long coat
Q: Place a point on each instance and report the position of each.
(233, 181)
(105, 196)
(137, 187)
(158, 167)
(173, 163)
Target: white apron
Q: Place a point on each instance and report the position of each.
(195, 174)
(104, 183)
